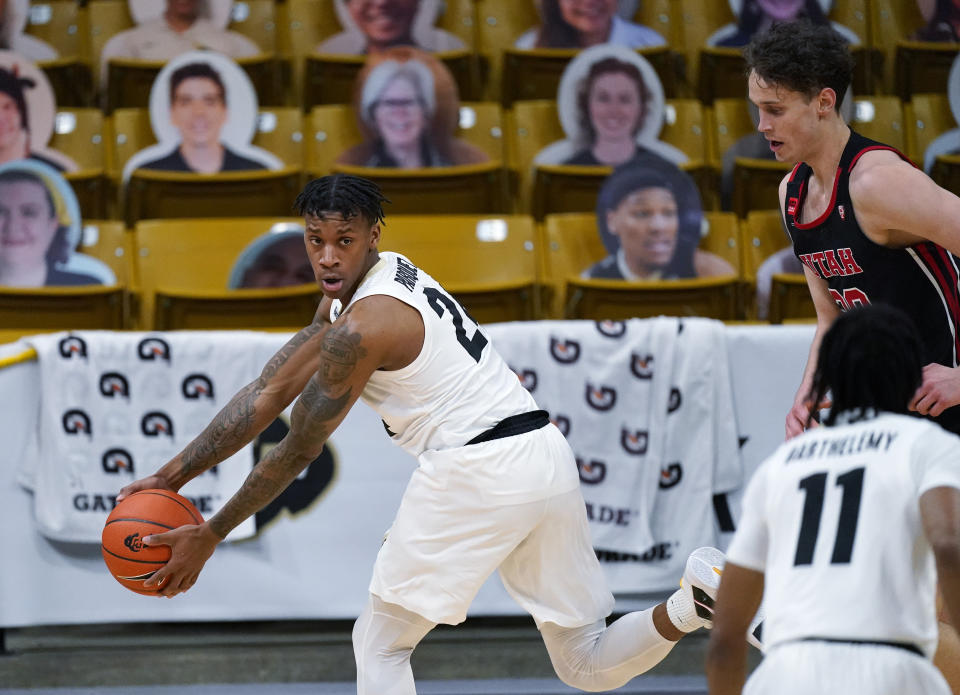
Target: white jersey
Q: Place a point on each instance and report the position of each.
(457, 387)
(832, 519)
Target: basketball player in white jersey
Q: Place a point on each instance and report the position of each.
(845, 530)
(496, 487)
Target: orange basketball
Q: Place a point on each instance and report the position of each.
(143, 513)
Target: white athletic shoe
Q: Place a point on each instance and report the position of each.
(692, 606)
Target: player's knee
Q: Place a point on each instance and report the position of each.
(584, 678)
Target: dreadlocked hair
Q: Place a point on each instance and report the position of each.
(870, 359)
(344, 194)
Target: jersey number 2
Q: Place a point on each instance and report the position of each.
(815, 487)
(439, 302)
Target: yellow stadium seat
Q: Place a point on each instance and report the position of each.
(756, 184)
(109, 241)
(531, 126)
(946, 172)
(63, 308)
(499, 23)
(332, 130)
(330, 79)
(59, 23)
(761, 235)
(926, 116)
(105, 19)
(721, 74)
(487, 263)
(790, 298)
(130, 80)
(129, 132)
(698, 19)
(469, 189)
(257, 20)
(167, 194)
(923, 68)
(560, 188)
(280, 131)
(459, 17)
(535, 73)
(71, 80)
(663, 16)
(722, 237)
(481, 124)
(685, 127)
(880, 118)
(90, 187)
(183, 269)
(79, 134)
(855, 15)
(890, 22)
(730, 122)
(714, 297)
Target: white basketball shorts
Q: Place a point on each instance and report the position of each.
(814, 668)
(511, 503)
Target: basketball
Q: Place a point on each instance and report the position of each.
(143, 513)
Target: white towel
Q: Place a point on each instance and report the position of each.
(115, 407)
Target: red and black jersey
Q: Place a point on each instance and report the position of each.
(922, 280)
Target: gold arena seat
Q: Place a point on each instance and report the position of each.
(487, 263)
(891, 21)
(481, 124)
(71, 80)
(714, 297)
(880, 118)
(90, 187)
(531, 126)
(168, 194)
(329, 79)
(730, 121)
(790, 298)
(105, 19)
(466, 189)
(926, 116)
(697, 20)
(280, 131)
(60, 24)
(332, 130)
(183, 269)
(761, 235)
(62, 308)
(923, 67)
(257, 20)
(756, 184)
(946, 172)
(79, 134)
(686, 128)
(499, 23)
(110, 242)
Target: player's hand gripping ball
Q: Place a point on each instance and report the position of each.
(143, 513)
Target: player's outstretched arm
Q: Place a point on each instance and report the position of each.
(738, 599)
(940, 512)
(827, 310)
(247, 414)
(350, 351)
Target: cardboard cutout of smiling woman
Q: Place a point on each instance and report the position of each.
(203, 111)
(27, 114)
(759, 15)
(40, 230)
(408, 109)
(277, 258)
(372, 26)
(168, 28)
(13, 21)
(585, 23)
(647, 232)
(611, 106)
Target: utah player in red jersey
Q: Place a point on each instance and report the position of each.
(868, 225)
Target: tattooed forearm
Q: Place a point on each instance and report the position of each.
(268, 479)
(239, 421)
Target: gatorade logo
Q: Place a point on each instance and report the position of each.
(562, 423)
(72, 346)
(634, 442)
(565, 351)
(602, 398)
(155, 424)
(642, 366)
(591, 472)
(612, 329)
(77, 422)
(151, 349)
(528, 379)
(116, 460)
(197, 386)
(114, 384)
(670, 476)
(676, 400)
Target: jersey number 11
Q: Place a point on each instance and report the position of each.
(815, 487)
